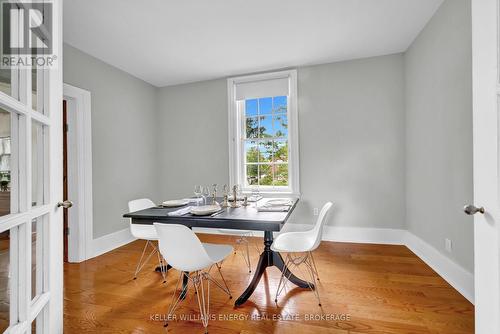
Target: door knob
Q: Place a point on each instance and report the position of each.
(471, 210)
(66, 204)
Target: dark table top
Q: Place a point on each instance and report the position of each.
(242, 218)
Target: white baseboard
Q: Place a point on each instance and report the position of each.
(111, 241)
(458, 277)
(364, 235)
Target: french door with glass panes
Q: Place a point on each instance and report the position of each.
(31, 250)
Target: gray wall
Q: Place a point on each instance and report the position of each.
(192, 136)
(438, 69)
(123, 136)
(351, 132)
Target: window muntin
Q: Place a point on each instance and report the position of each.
(266, 141)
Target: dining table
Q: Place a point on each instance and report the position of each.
(247, 218)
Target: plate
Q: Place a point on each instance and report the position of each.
(174, 203)
(204, 210)
(278, 202)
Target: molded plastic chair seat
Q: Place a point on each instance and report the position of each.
(289, 227)
(144, 232)
(295, 242)
(217, 253)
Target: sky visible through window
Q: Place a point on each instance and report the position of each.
(266, 141)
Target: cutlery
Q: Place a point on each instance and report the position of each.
(217, 213)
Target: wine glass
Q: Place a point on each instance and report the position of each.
(239, 191)
(206, 193)
(197, 192)
(254, 188)
(255, 192)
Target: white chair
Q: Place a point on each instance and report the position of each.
(242, 239)
(182, 249)
(145, 232)
(299, 246)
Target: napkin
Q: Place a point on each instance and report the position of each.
(180, 212)
(278, 202)
(273, 208)
(194, 200)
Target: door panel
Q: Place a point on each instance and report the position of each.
(30, 221)
(486, 165)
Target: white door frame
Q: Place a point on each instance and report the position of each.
(486, 97)
(79, 173)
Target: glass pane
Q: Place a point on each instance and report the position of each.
(280, 104)
(265, 175)
(266, 126)
(6, 81)
(280, 148)
(281, 175)
(266, 151)
(252, 127)
(265, 106)
(34, 85)
(37, 84)
(280, 125)
(37, 256)
(251, 107)
(5, 158)
(252, 174)
(37, 163)
(4, 280)
(252, 152)
(7, 76)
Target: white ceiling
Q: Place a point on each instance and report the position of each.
(168, 42)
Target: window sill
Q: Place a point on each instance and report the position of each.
(273, 193)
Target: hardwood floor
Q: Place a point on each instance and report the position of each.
(364, 289)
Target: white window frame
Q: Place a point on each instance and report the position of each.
(237, 134)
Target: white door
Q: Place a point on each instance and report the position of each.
(486, 85)
(31, 249)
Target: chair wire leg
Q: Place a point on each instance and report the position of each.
(174, 302)
(314, 265)
(141, 264)
(248, 256)
(162, 267)
(224, 288)
(282, 281)
(203, 303)
(313, 275)
(255, 244)
(245, 254)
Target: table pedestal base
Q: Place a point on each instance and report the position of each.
(269, 258)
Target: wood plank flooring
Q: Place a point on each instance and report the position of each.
(364, 289)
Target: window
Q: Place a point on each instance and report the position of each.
(263, 136)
